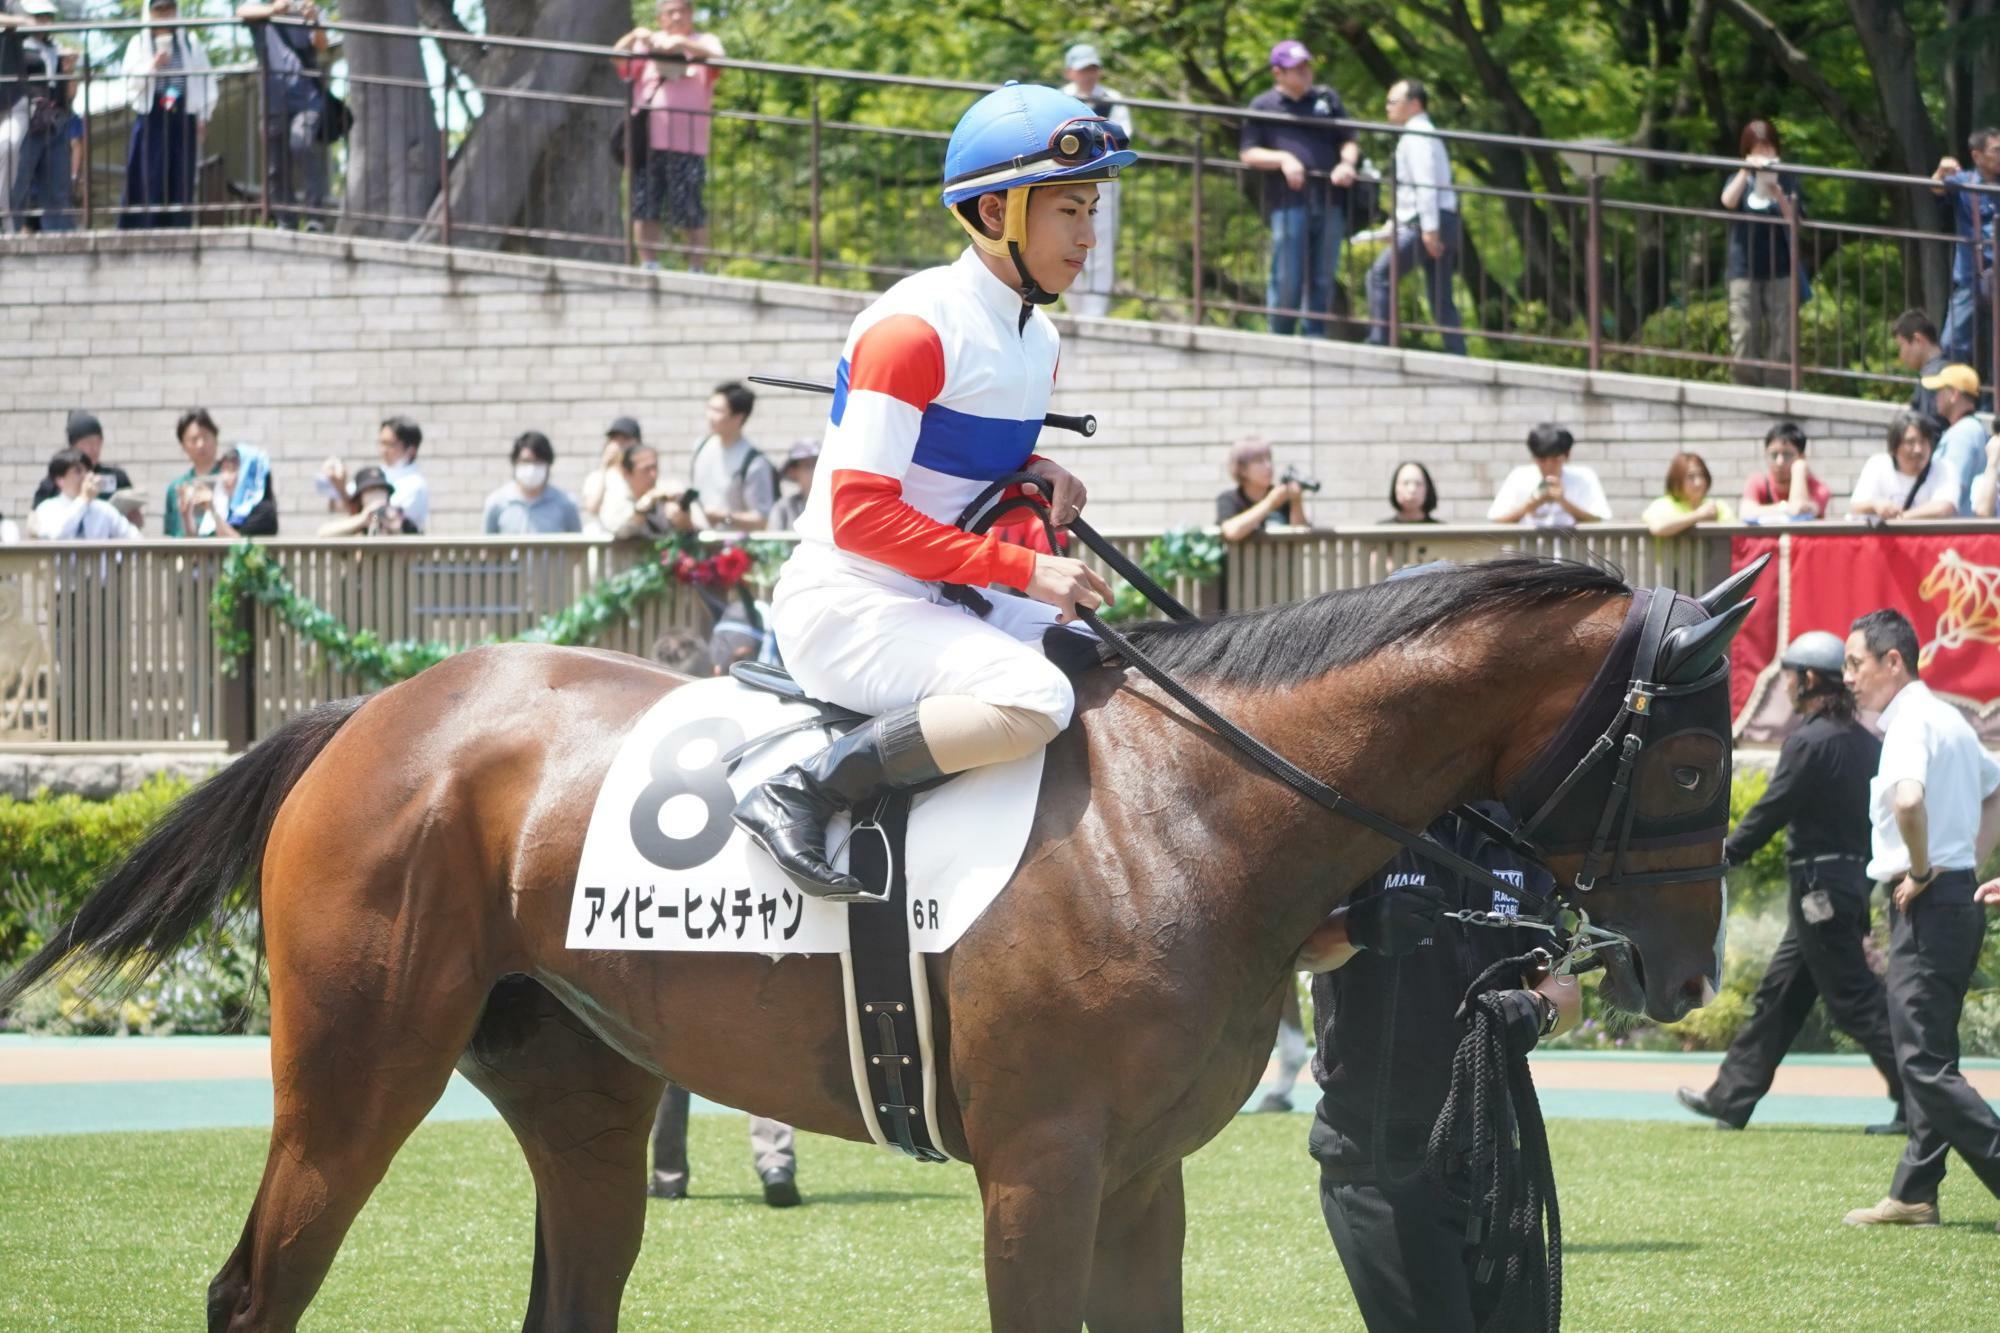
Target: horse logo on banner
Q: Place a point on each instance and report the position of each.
(1971, 610)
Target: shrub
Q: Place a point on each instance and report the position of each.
(52, 849)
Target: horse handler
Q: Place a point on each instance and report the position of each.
(1820, 790)
(1936, 808)
(1402, 1240)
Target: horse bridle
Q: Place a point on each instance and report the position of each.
(1556, 816)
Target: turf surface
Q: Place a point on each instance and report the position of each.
(1667, 1227)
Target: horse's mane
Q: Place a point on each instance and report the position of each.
(1296, 642)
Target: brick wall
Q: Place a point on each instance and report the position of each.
(302, 344)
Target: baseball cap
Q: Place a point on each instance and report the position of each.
(82, 425)
(1082, 56)
(37, 7)
(624, 426)
(807, 450)
(1288, 53)
(1962, 378)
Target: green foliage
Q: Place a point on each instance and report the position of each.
(1180, 553)
(53, 848)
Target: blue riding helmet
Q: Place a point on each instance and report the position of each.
(1018, 137)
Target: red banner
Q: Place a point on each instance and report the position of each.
(1948, 585)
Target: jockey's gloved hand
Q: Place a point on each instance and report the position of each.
(1394, 922)
(1521, 1013)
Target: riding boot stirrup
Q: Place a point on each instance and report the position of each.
(788, 815)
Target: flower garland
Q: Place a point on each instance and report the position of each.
(1180, 553)
(249, 573)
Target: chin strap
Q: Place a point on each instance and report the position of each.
(1007, 245)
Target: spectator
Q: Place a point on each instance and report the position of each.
(1257, 501)
(800, 464)
(376, 512)
(606, 499)
(1963, 441)
(1987, 485)
(1908, 481)
(1759, 271)
(1307, 171)
(224, 492)
(528, 504)
(75, 513)
(1412, 495)
(1090, 294)
(1427, 230)
(295, 108)
(1551, 491)
(648, 514)
(87, 437)
(1917, 347)
(733, 485)
(35, 119)
(1785, 490)
(1972, 262)
(172, 94)
(1687, 501)
(677, 90)
(397, 441)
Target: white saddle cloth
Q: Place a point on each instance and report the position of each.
(664, 867)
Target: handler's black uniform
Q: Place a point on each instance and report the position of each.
(1820, 789)
(1404, 1246)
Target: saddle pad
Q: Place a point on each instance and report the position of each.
(665, 867)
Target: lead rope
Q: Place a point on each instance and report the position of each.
(1515, 1222)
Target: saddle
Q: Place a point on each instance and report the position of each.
(885, 982)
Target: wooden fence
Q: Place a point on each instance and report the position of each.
(112, 644)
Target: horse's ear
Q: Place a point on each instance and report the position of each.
(1735, 588)
(1692, 650)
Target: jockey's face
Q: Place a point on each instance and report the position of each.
(1060, 232)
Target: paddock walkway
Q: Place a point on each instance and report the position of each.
(84, 1085)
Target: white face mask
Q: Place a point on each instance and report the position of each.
(531, 476)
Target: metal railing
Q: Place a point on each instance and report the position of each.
(115, 642)
(830, 176)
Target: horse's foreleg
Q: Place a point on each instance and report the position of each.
(1135, 1279)
(1041, 1187)
(582, 1113)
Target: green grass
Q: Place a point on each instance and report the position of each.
(1667, 1227)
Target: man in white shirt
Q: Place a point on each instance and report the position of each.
(735, 485)
(1551, 491)
(1935, 806)
(1427, 229)
(397, 441)
(1090, 294)
(74, 513)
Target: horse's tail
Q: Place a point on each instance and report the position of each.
(210, 843)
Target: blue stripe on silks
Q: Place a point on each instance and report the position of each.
(959, 444)
(840, 391)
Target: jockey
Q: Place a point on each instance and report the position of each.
(941, 389)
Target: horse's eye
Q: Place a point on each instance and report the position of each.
(1687, 777)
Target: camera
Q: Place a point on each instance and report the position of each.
(1305, 483)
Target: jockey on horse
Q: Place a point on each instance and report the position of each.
(941, 389)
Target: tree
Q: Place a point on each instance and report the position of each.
(395, 151)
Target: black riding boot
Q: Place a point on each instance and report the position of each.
(788, 814)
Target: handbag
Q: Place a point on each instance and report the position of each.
(336, 120)
(634, 127)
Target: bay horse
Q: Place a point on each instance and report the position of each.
(413, 856)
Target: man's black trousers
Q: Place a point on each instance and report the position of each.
(1820, 956)
(1933, 949)
(1405, 1255)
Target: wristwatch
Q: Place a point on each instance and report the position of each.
(1551, 1015)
